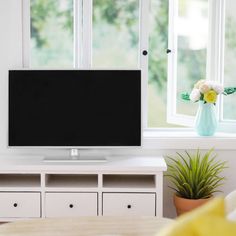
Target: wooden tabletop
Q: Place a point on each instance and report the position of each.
(86, 226)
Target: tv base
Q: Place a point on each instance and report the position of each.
(78, 159)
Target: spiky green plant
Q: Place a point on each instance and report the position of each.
(195, 176)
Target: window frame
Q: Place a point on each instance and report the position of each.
(87, 27)
(144, 6)
(227, 124)
(215, 57)
(172, 116)
(77, 32)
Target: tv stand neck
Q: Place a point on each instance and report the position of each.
(75, 157)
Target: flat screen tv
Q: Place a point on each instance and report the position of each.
(74, 108)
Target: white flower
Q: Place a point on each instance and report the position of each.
(217, 87)
(199, 83)
(210, 83)
(195, 95)
(204, 88)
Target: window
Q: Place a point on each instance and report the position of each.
(157, 64)
(200, 51)
(113, 34)
(229, 111)
(188, 40)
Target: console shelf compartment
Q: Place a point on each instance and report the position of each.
(19, 180)
(128, 181)
(71, 180)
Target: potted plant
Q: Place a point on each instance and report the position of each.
(194, 177)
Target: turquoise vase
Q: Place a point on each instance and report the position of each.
(206, 122)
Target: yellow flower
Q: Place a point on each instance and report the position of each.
(210, 96)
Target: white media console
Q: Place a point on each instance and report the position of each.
(32, 188)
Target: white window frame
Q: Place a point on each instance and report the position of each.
(227, 124)
(77, 33)
(215, 57)
(144, 8)
(87, 28)
(172, 116)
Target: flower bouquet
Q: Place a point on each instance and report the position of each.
(205, 92)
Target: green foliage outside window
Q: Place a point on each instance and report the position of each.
(41, 11)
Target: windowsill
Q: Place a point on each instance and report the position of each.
(188, 140)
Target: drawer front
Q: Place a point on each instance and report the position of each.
(19, 205)
(134, 204)
(71, 204)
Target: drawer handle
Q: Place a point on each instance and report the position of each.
(71, 205)
(15, 204)
(128, 206)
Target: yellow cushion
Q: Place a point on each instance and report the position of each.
(206, 220)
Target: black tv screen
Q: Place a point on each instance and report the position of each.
(74, 108)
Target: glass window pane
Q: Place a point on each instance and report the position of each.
(157, 71)
(51, 33)
(115, 33)
(230, 60)
(192, 36)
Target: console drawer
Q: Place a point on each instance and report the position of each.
(14, 205)
(71, 204)
(137, 204)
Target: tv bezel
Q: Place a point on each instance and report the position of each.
(77, 147)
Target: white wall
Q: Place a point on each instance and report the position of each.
(10, 54)
(11, 57)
